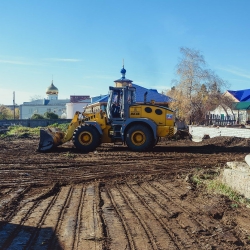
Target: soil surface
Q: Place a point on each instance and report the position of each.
(117, 199)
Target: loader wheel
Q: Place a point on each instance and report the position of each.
(139, 138)
(86, 138)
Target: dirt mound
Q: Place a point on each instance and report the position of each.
(225, 141)
(182, 134)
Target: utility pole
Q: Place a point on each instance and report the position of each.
(14, 104)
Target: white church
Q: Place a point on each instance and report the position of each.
(64, 108)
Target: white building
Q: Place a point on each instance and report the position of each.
(49, 104)
(77, 103)
(64, 108)
(238, 112)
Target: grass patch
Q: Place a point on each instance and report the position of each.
(69, 155)
(200, 176)
(196, 180)
(22, 131)
(218, 187)
(209, 180)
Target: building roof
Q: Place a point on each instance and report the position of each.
(241, 95)
(46, 102)
(100, 98)
(140, 91)
(152, 95)
(241, 105)
(79, 98)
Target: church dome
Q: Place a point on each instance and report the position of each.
(123, 71)
(52, 90)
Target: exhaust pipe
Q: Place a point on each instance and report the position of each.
(145, 97)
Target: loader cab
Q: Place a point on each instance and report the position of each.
(120, 98)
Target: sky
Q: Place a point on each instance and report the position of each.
(81, 44)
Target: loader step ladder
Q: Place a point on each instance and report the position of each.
(117, 137)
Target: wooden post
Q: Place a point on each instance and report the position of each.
(14, 104)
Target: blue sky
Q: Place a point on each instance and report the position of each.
(82, 43)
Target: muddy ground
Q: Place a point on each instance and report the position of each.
(117, 199)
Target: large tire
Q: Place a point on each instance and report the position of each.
(139, 138)
(86, 138)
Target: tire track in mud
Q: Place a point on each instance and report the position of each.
(128, 215)
(87, 167)
(37, 222)
(91, 234)
(68, 219)
(188, 217)
(11, 199)
(138, 237)
(191, 219)
(6, 195)
(74, 176)
(15, 221)
(78, 220)
(159, 238)
(14, 227)
(116, 218)
(31, 225)
(53, 221)
(214, 229)
(171, 193)
(165, 216)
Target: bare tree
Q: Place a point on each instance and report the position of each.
(35, 97)
(197, 88)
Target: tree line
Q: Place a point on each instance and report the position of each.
(8, 114)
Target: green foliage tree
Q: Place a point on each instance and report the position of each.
(5, 113)
(50, 115)
(36, 116)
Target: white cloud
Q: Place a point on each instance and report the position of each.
(15, 62)
(63, 59)
(236, 71)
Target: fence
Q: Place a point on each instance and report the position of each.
(219, 122)
(33, 123)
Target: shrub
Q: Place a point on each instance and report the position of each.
(50, 115)
(36, 116)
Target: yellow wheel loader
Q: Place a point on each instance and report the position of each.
(139, 126)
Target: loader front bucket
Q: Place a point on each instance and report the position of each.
(49, 138)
